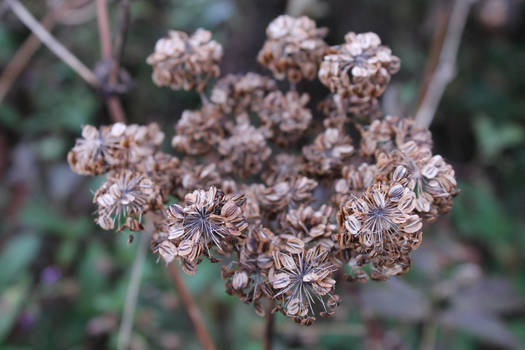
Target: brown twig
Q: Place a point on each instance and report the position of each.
(23, 56)
(53, 44)
(445, 68)
(269, 328)
(191, 308)
(115, 108)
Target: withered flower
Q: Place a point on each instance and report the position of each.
(242, 93)
(340, 109)
(429, 176)
(207, 219)
(288, 194)
(287, 115)
(197, 132)
(124, 198)
(293, 49)
(360, 67)
(312, 226)
(282, 167)
(391, 133)
(381, 223)
(245, 151)
(302, 280)
(97, 150)
(247, 278)
(185, 62)
(328, 153)
(354, 181)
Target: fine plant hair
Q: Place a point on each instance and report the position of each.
(288, 199)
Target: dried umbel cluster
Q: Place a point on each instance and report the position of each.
(278, 193)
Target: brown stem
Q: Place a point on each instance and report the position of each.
(115, 108)
(22, 56)
(445, 68)
(269, 328)
(191, 308)
(52, 43)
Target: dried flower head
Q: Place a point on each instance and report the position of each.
(391, 133)
(381, 224)
(429, 176)
(294, 48)
(302, 280)
(185, 62)
(328, 153)
(288, 194)
(124, 198)
(207, 219)
(97, 150)
(360, 67)
(287, 115)
(245, 151)
(197, 132)
(355, 179)
(242, 93)
(340, 109)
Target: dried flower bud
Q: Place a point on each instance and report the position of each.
(186, 62)
(294, 48)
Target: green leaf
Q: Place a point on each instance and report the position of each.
(16, 256)
(11, 301)
(495, 138)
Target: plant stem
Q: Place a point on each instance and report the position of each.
(113, 102)
(445, 69)
(191, 308)
(126, 325)
(53, 44)
(269, 327)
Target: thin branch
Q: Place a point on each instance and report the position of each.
(23, 56)
(121, 36)
(113, 102)
(126, 325)
(269, 328)
(445, 69)
(54, 45)
(191, 308)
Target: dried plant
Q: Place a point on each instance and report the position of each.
(282, 198)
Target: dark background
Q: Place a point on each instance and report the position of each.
(63, 281)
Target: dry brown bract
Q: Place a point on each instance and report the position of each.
(186, 62)
(293, 49)
(360, 67)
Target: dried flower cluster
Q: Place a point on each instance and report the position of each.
(283, 198)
